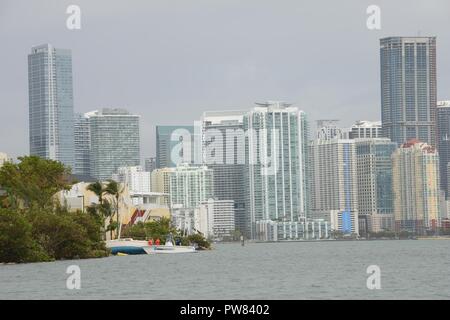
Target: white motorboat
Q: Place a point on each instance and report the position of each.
(168, 248)
(130, 246)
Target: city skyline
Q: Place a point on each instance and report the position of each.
(252, 75)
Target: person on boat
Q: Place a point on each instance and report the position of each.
(157, 242)
(150, 242)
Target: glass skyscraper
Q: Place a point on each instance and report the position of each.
(443, 142)
(51, 104)
(408, 88)
(276, 155)
(114, 141)
(374, 176)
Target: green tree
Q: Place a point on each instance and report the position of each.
(199, 240)
(36, 227)
(68, 235)
(16, 241)
(33, 182)
(103, 209)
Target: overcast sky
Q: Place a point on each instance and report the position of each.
(171, 60)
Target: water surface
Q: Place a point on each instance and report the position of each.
(298, 270)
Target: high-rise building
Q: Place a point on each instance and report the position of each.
(443, 142)
(190, 185)
(51, 103)
(160, 182)
(366, 129)
(114, 136)
(374, 178)
(176, 145)
(223, 145)
(408, 88)
(276, 155)
(150, 164)
(415, 171)
(82, 143)
(334, 185)
(187, 185)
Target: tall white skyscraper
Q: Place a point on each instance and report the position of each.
(51, 103)
(276, 155)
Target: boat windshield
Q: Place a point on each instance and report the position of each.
(169, 240)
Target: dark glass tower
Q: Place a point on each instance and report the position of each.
(408, 88)
(443, 142)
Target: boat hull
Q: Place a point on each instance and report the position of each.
(128, 250)
(133, 247)
(168, 249)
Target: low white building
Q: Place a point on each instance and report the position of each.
(136, 180)
(215, 218)
(311, 229)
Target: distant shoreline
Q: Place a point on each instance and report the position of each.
(331, 240)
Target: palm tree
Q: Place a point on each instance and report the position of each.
(97, 188)
(114, 189)
(102, 208)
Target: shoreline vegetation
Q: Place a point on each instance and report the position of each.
(36, 227)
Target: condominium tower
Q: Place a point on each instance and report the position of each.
(408, 88)
(50, 96)
(276, 155)
(187, 185)
(366, 129)
(415, 170)
(190, 185)
(333, 181)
